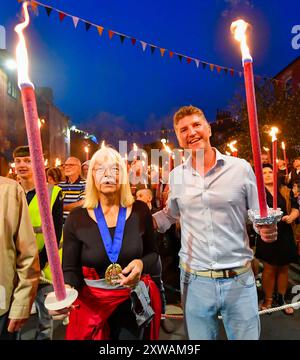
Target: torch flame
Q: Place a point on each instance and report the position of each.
(57, 162)
(273, 132)
(167, 148)
(283, 145)
(238, 29)
(21, 50)
(266, 148)
(103, 144)
(232, 147)
(135, 147)
(86, 149)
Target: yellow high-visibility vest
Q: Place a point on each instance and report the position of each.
(35, 216)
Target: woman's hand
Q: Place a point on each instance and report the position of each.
(61, 313)
(288, 219)
(268, 233)
(133, 271)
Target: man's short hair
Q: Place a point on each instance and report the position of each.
(186, 111)
(21, 151)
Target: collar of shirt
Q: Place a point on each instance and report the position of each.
(220, 160)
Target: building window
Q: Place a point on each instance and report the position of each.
(11, 89)
(289, 86)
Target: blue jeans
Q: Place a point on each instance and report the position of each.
(204, 298)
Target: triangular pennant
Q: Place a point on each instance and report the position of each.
(100, 30)
(122, 38)
(225, 71)
(171, 54)
(197, 62)
(61, 16)
(231, 71)
(133, 41)
(152, 48)
(48, 10)
(34, 5)
(110, 34)
(204, 65)
(179, 57)
(162, 52)
(211, 67)
(87, 26)
(144, 45)
(75, 21)
(218, 69)
(188, 60)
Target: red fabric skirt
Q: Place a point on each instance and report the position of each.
(93, 307)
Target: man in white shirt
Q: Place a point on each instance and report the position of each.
(211, 194)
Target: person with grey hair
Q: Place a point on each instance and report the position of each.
(73, 188)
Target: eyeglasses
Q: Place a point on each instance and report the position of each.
(70, 165)
(112, 170)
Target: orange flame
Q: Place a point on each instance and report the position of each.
(135, 147)
(21, 50)
(283, 145)
(86, 149)
(232, 147)
(273, 132)
(266, 148)
(167, 148)
(57, 162)
(238, 29)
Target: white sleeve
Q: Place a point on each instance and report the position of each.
(168, 216)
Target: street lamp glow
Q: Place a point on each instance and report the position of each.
(10, 64)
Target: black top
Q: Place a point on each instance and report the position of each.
(83, 245)
(282, 251)
(57, 215)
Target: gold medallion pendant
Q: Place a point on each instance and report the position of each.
(112, 274)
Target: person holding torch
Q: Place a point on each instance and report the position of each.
(210, 193)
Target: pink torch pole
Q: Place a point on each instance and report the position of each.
(273, 133)
(239, 28)
(285, 158)
(35, 145)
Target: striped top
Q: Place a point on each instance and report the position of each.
(72, 192)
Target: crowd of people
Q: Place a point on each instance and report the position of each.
(124, 246)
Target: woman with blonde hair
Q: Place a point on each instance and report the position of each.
(108, 245)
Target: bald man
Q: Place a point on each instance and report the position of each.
(74, 187)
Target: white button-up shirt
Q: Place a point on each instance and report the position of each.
(212, 211)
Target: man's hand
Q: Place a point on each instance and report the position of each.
(268, 233)
(134, 270)
(15, 324)
(154, 223)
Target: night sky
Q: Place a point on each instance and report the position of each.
(105, 84)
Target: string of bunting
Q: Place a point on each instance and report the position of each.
(163, 51)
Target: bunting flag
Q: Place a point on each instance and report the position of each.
(87, 26)
(61, 16)
(75, 21)
(110, 34)
(48, 10)
(144, 44)
(100, 30)
(162, 51)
